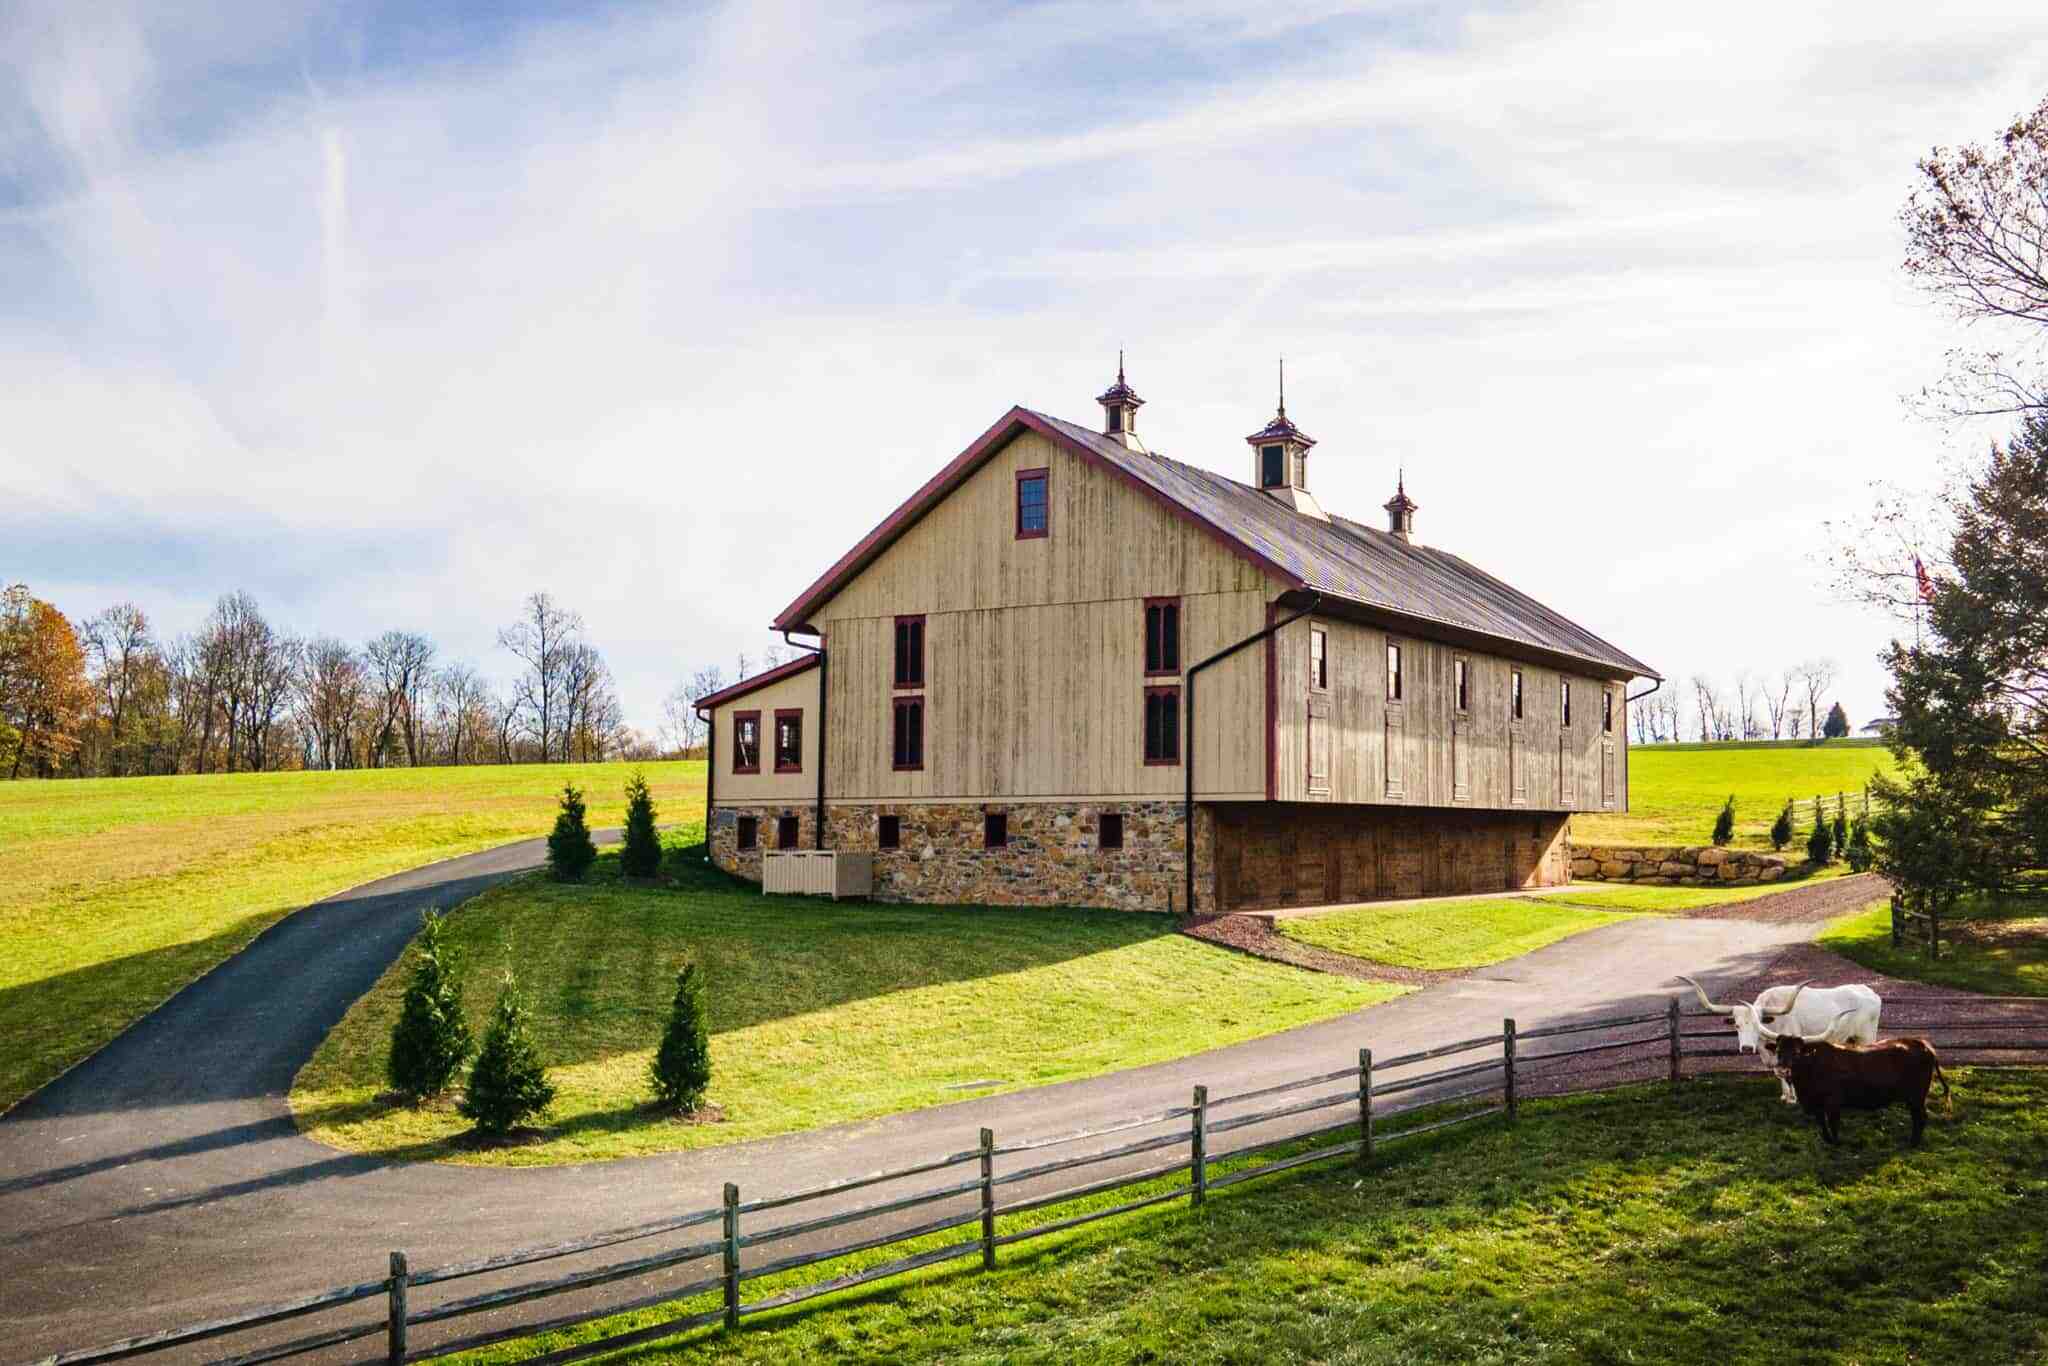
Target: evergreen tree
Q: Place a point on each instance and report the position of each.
(1724, 824)
(1820, 845)
(1839, 832)
(1837, 724)
(570, 849)
(642, 855)
(431, 1040)
(1859, 853)
(681, 1070)
(508, 1083)
(1781, 828)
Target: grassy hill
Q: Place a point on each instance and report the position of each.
(1675, 790)
(116, 892)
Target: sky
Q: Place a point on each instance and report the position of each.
(392, 314)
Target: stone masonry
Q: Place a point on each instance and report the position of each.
(1688, 865)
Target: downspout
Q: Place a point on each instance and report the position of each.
(1626, 756)
(818, 817)
(710, 772)
(1187, 758)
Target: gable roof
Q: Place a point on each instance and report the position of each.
(1340, 559)
(808, 660)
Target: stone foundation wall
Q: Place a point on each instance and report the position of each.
(1053, 855)
(1688, 865)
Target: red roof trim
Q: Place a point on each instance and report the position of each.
(756, 683)
(794, 616)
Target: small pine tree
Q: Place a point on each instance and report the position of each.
(508, 1083)
(1724, 824)
(1820, 845)
(431, 1040)
(642, 855)
(681, 1070)
(1859, 853)
(1781, 828)
(1839, 833)
(570, 849)
(1837, 724)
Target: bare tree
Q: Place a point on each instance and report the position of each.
(333, 692)
(1706, 699)
(544, 639)
(681, 728)
(464, 699)
(118, 648)
(1816, 676)
(1745, 703)
(1778, 702)
(401, 665)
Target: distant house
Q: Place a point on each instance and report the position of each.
(1880, 726)
(1069, 670)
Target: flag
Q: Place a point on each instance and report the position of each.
(1926, 584)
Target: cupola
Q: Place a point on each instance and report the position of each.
(1401, 509)
(1280, 459)
(1120, 404)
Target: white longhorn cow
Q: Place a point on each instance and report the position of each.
(1846, 1014)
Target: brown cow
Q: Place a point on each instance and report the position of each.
(1831, 1077)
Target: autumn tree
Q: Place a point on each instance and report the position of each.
(45, 698)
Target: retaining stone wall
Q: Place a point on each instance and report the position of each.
(1687, 865)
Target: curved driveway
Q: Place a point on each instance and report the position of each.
(162, 1181)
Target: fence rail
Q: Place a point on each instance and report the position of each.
(726, 1270)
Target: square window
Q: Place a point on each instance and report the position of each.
(1033, 511)
(1110, 830)
(889, 832)
(1515, 694)
(1458, 682)
(907, 742)
(748, 833)
(746, 742)
(789, 741)
(909, 652)
(1162, 636)
(1393, 672)
(1318, 658)
(995, 829)
(785, 832)
(1162, 725)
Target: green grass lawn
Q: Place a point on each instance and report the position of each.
(1999, 948)
(1446, 934)
(1675, 791)
(819, 1012)
(117, 892)
(1639, 1226)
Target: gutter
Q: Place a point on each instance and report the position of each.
(818, 818)
(1187, 812)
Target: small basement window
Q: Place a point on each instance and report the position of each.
(1110, 830)
(786, 832)
(1033, 508)
(889, 832)
(747, 833)
(995, 829)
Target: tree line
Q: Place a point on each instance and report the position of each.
(1790, 704)
(112, 697)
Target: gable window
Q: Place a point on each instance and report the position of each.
(907, 739)
(785, 832)
(1458, 685)
(1318, 658)
(1162, 725)
(889, 832)
(1607, 711)
(1564, 701)
(1162, 635)
(747, 833)
(1393, 672)
(995, 829)
(909, 652)
(1515, 695)
(1110, 830)
(1034, 513)
(789, 740)
(1272, 467)
(746, 742)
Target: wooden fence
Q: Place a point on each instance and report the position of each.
(992, 1181)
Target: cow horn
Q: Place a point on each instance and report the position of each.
(1782, 1011)
(1710, 1005)
(1822, 1036)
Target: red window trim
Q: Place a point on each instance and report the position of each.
(902, 621)
(896, 704)
(737, 717)
(1179, 633)
(1045, 473)
(1179, 726)
(798, 713)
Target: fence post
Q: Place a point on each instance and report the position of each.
(988, 1199)
(1672, 1016)
(1198, 1156)
(1507, 1049)
(732, 1255)
(395, 1309)
(1364, 1106)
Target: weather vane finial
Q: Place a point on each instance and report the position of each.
(1283, 386)
(1119, 365)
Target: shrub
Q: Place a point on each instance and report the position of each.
(1724, 824)
(431, 1040)
(1859, 853)
(1781, 828)
(642, 855)
(681, 1070)
(1839, 832)
(1820, 845)
(508, 1083)
(570, 849)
